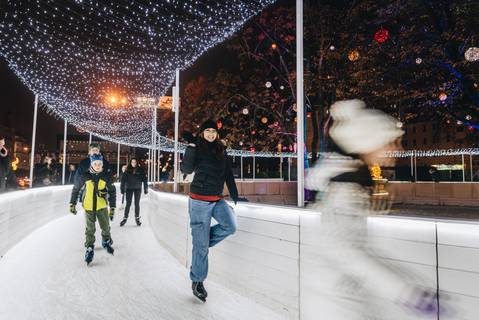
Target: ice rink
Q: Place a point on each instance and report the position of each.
(272, 268)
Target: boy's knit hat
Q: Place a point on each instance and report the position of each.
(96, 157)
(208, 124)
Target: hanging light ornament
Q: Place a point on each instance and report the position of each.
(418, 60)
(332, 48)
(105, 45)
(281, 87)
(381, 36)
(468, 117)
(472, 54)
(264, 120)
(353, 55)
(268, 84)
(442, 96)
(245, 111)
(274, 46)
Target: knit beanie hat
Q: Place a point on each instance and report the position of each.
(208, 124)
(357, 130)
(96, 157)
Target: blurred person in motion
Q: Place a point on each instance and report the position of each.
(356, 283)
(4, 165)
(131, 182)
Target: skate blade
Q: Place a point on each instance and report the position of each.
(203, 299)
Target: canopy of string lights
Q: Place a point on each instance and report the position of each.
(99, 64)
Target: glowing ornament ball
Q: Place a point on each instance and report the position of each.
(245, 111)
(442, 96)
(468, 117)
(353, 55)
(264, 120)
(418, 60)
(472, 54)
(381, 36)
(274, 46)
(268, 84)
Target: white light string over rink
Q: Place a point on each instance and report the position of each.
(432, 153)
(93, 62)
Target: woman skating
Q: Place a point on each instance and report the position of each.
(131, 182)
(207, 159)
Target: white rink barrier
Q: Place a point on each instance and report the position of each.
(21, 212)
(273, 256)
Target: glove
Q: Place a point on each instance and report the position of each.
(239, 199)
(103, 193)
(111, 213)
(73, 208)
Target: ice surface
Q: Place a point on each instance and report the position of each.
(44, 277)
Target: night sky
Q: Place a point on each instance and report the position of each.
(16, 110)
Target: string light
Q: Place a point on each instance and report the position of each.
(75, 54)
(431, 153)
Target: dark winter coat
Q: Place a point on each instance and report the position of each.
(211, 173)
(84, 166)
(133, 179)
(4, 166)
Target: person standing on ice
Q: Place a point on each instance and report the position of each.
(358, 282)
(93, 149)
(207, 159)
(98, 193)
(131, 182)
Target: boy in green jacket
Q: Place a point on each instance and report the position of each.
(99, 192)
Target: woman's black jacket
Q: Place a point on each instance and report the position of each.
(133, 179)
(211, 173)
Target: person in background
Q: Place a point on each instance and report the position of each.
(4, 165)
(93, 149)
(45, 172)
(131, 182)
(71, 174)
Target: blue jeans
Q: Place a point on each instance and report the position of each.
(204, 235)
